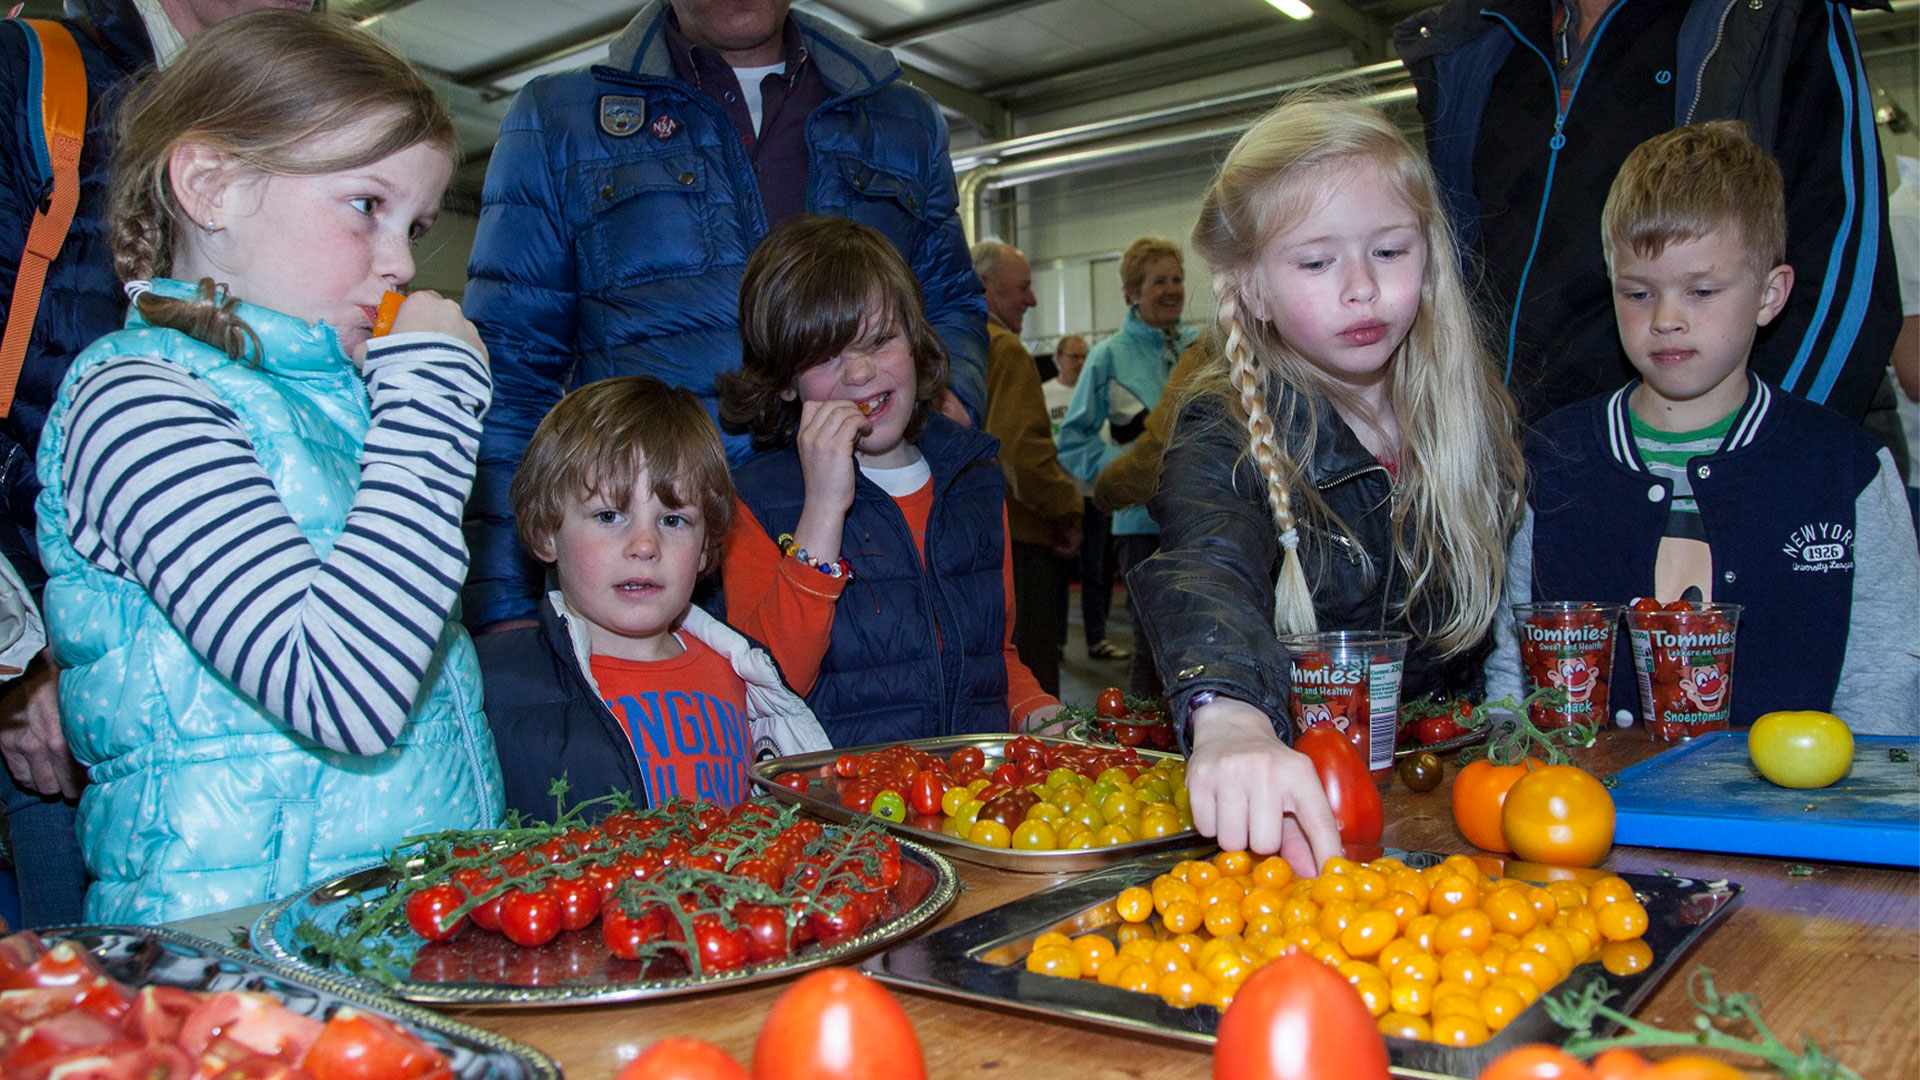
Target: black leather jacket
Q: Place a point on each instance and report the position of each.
(1206, 599)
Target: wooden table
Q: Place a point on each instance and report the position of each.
(1834, 956)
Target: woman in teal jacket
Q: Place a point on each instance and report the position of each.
(1121, 383)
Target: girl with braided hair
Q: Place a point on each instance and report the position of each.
(1348, 462)
(251, 513)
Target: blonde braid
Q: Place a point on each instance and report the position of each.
(143, 249)
(1292, 598)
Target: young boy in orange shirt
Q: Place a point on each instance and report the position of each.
(626, 685)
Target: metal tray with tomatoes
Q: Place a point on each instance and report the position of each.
(982, 959)
(141, 957)
(671, 903)
(813, 781)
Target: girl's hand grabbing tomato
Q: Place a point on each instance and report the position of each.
(427, 311)
(1251, 791)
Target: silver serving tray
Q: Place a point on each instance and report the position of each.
(153, 956)
(982, 959)
(820, 799)
(476, 968)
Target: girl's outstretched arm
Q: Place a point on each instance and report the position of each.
(163, 487)
(1251, 791)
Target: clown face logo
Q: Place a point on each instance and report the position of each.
(1703, 686)
(1574, 675)
(1331, 714)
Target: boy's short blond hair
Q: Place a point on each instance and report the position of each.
(1685, 183)
(599, 438)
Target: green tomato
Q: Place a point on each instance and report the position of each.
(1801, 749)
(889, 805)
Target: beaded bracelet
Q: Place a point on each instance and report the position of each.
(840, 569)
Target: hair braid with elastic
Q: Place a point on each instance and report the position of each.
(1292, 598)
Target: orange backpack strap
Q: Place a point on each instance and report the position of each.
(58, 77)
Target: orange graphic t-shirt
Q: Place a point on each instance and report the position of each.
(686, 719)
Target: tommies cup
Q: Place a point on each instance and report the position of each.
(1683, 657)
(1350, 680)
(1567, 645)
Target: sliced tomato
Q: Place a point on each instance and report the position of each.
(158, 1012)
(360, 1046)
(256, 1021)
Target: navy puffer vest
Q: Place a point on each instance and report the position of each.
(886, 675)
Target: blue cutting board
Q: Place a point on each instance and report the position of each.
(1705, 795)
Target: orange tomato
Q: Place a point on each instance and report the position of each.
(1536, 1061)
(1559, 815)
(1619, 1064)
(1478, 792)
(1693, 1067)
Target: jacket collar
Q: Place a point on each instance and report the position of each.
(1747, 422)
(846, 64)
(294, 347)
(117, 28)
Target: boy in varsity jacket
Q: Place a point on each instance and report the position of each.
(1700, 475)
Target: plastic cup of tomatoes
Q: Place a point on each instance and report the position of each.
(1349, 680)
(1683, 660)
(1568, 645)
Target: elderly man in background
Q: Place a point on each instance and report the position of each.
(622, 202)
(1043, 503)
(79, 301)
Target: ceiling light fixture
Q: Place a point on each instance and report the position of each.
(1293, 9)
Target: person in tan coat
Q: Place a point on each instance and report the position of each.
(1131, 478)
(1043, 505)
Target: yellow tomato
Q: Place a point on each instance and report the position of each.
(1801, 749)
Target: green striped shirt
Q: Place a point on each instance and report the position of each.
(1667, 454)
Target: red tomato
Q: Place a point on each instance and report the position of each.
(1111, 704)
(428, 911)
(967, 759)
(1536, 1061)
(476, 881)
(1026, 748)
(846, 766)
(1349, 786)
(1437, 729)
(579, 899)
(793, 781)
(359, 1046)
(719, 948)
(625, 934)
(759, 868)
(1297, 1019)
(683, 1057)
(837, 1024)
(924, 792)
(530, 919)
(857, 795)
(766, 928)
(838, 924)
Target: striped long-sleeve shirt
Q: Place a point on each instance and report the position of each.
(163, 487)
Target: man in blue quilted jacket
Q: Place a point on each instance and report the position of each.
(118, 39)
(623, 200)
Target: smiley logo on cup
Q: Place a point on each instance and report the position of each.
(1704, 686)
(1576, 676)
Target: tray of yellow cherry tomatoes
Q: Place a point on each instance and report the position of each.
(1024, 803)
(1454, 960)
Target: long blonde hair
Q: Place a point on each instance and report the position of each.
(1458, 488)
(264, 88)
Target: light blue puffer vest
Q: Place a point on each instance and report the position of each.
(200, 800)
